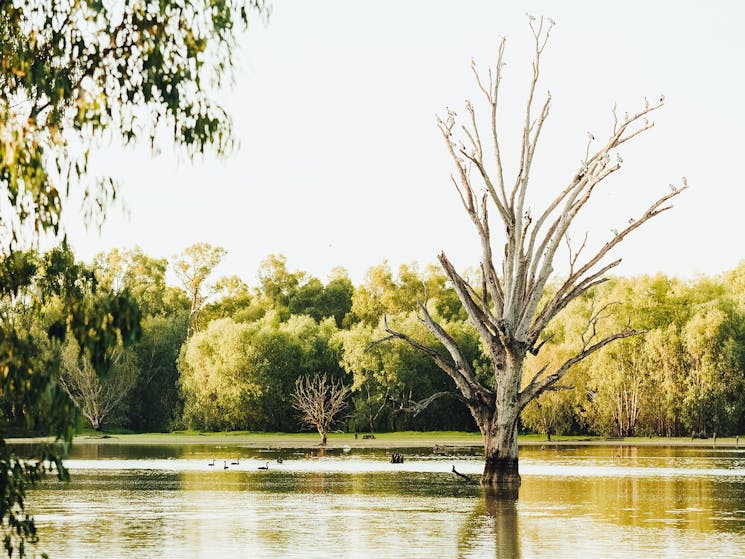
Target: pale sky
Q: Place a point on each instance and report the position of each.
(341, 164)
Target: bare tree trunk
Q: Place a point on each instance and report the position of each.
(497, 420)
(500, 453)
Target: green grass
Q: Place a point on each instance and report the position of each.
(398, 439)
(401, 439)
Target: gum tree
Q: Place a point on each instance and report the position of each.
(193, 267)
(98, 398)
(515, 301)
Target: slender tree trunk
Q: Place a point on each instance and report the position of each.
(323, 437)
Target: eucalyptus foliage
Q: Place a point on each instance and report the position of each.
(74, 74)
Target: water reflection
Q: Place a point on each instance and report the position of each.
(491, 530)
(572, 504)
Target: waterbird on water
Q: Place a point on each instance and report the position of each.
(212, 463)
(279, 460)
(224, 465)
(236, 463)
(264, 467)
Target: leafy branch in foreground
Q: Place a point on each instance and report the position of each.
(73, 75)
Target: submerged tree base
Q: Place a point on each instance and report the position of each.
(501, 478)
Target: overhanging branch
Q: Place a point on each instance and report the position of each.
(415, 408)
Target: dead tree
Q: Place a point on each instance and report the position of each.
(319, 400)
(511, 307)
(97, 397)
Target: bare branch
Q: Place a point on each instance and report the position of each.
(592, 323)
(537, 375)
(573, 256)
(466, 478)
(415, 408)
(450, 368)
(465, 377)
(535, 389)
(492, 96)
(536, 349)
(479, 318)
(589, 167)
(578, 278)
(560, 387)
(505, 309)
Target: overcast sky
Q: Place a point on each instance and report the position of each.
(341, 164)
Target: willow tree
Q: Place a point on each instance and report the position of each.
(512, 305)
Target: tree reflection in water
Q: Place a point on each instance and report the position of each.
(493, 525)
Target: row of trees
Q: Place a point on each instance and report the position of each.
(222, 355)
(684, 376)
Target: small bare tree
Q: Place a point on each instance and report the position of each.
(511, 307)
(98, 398)
(319, 400)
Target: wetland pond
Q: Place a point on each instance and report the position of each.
(127, 501)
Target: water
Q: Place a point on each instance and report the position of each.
(130, 501)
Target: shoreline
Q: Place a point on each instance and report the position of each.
(408, 439)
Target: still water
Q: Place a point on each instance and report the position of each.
(130, 501)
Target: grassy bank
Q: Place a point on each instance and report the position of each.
(404, 439)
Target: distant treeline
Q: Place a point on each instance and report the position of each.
(225, 355)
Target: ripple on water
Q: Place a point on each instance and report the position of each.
(572, 504)
(353, 465)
